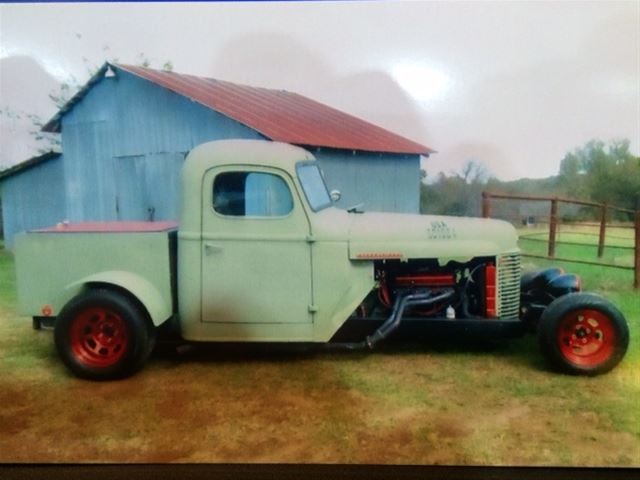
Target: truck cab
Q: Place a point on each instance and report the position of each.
(270, 252)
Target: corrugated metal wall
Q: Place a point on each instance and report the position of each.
(33, 199)
(382, 182)
(124, 145)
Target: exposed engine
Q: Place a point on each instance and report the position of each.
(474, 286)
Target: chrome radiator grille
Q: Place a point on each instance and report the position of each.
(508, 286)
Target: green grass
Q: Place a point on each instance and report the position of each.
(442, 403)
(617, 286)
(618, 245)
(614, 237)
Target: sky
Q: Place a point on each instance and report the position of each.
(512, 85)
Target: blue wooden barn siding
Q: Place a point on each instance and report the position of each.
(382, 182)
(124, 146)
(33, 199)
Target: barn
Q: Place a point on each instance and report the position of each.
(126, 133)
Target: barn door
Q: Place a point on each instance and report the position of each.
(131, 188)
(147, 186)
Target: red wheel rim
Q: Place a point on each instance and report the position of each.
(98, 337)
(586, 337)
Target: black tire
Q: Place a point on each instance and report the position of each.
(583, 334)
(102, 334)
(152, 333)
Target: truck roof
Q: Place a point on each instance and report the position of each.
(227, 153)
(242, 152)
(109, 227)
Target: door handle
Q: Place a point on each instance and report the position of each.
(210, 248)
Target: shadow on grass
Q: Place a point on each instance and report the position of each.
(520, 351)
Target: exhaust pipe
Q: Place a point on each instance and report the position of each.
(401, 304)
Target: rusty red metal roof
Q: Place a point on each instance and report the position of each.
(278, 115)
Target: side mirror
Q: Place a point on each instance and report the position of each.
(335, 195)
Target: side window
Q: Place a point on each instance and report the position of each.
(251, 194)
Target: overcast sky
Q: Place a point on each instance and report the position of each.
(513, 85)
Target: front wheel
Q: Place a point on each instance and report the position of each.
(583, 333)
(102, 334)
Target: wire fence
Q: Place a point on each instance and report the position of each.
(553, 221)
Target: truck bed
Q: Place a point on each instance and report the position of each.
(109, 227)
(54, 264)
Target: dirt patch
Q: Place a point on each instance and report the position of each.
(16, 411)
(450, 427)
(13, 423)
(399, 406)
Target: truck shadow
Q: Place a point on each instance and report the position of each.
(519, 351)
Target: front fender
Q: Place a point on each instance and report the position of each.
(158, 304)
(540, 288)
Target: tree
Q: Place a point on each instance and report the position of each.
(474, 172)
(456, 194)
(64, 92)
(602, 173)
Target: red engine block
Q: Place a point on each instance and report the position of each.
(426, 280)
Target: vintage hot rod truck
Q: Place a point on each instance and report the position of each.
(262, 255)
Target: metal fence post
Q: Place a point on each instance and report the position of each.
(486, 205)
(603, 226)
(553, 225)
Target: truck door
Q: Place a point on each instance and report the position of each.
(256, 258)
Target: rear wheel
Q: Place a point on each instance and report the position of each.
(102, 334)
(582, 333)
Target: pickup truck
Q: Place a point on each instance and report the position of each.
(261, 254)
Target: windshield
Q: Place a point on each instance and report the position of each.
(313, 185)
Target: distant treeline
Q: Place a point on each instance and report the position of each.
(597, 172)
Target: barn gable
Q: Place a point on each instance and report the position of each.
(131, 138)
(126, 133)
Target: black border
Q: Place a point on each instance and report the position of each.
(308, 471)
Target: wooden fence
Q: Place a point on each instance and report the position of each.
(553, 221)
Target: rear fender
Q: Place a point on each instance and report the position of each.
(158, 306)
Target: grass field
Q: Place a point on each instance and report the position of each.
(581, 243)
(443, 403)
